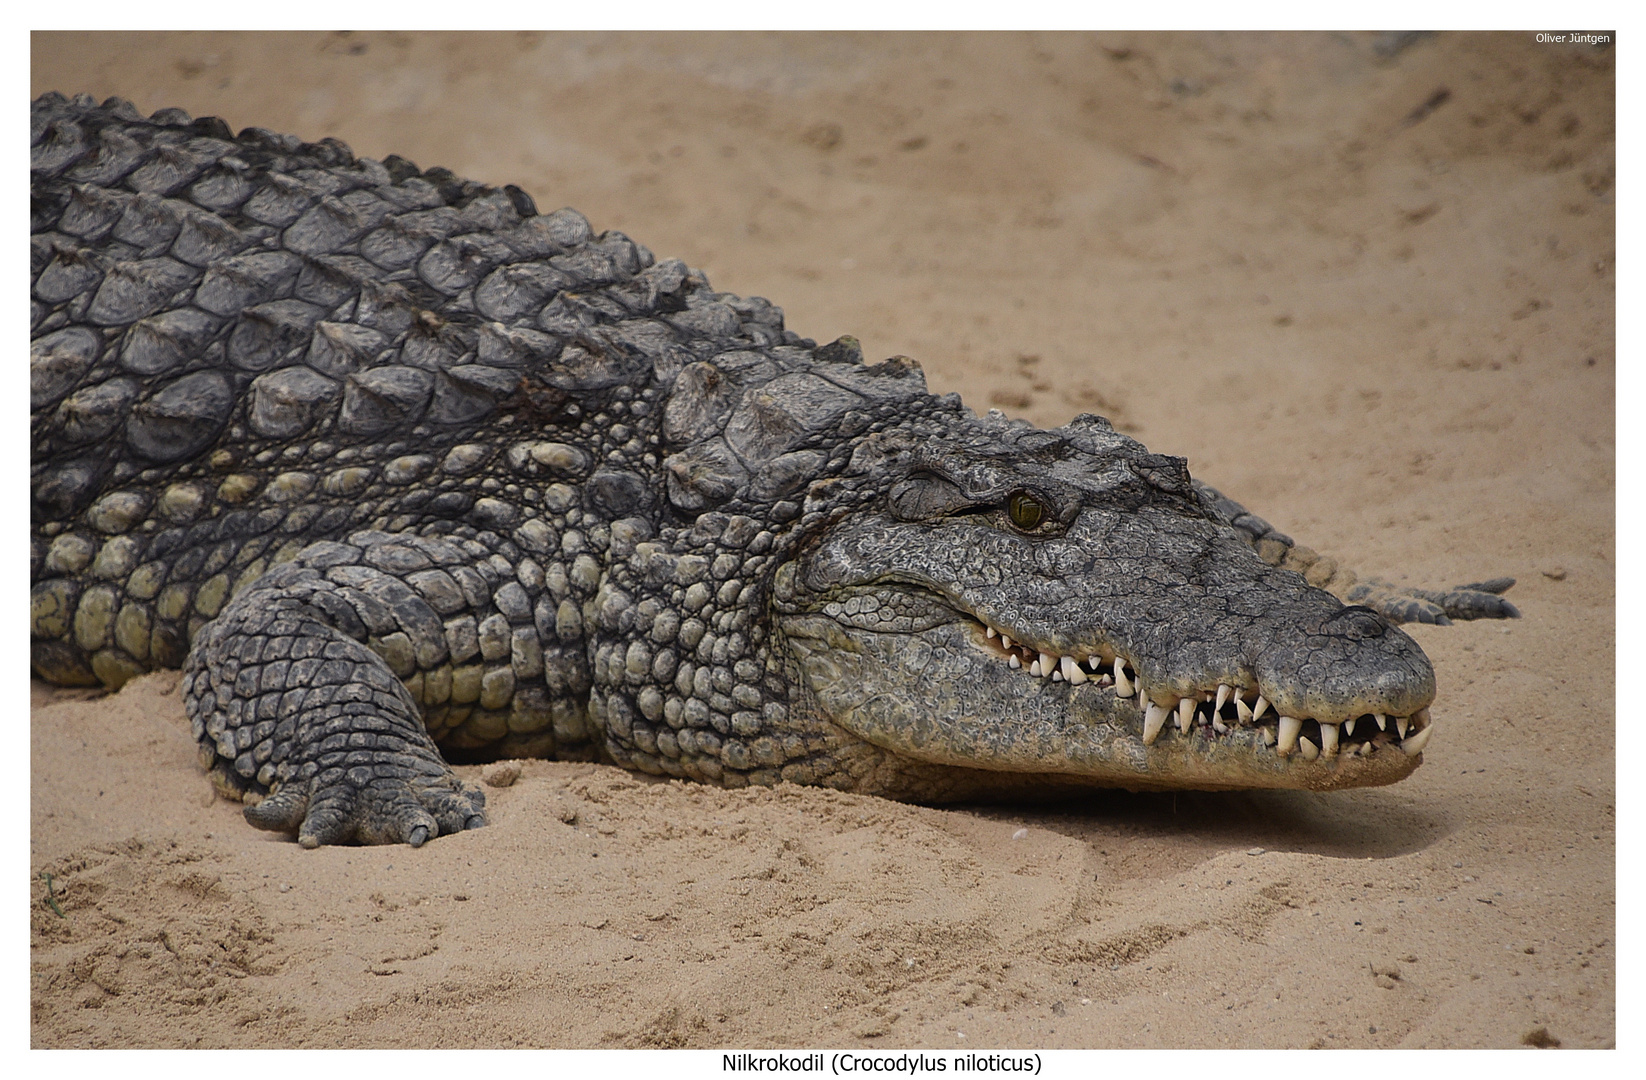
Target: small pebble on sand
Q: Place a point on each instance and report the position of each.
(501, 773)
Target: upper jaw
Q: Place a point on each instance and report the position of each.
(1259, 650)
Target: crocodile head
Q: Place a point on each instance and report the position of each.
(1062, 606)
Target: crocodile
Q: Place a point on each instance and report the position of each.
(401, 471)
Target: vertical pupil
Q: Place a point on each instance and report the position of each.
(1025, 511)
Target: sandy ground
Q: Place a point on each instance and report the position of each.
(1368, 293)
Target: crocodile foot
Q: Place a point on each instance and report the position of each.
(374, 803)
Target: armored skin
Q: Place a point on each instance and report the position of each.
(393, 465)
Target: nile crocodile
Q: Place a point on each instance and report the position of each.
(390, 463)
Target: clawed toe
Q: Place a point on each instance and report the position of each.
(377, 813)
(1495, 585)
(281, 812)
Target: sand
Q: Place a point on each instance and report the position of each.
(1366, 290)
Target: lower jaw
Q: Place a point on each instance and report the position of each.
(1110, 753)
(1096, 741)
(1240, 759)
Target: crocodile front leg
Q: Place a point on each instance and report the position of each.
(294, 710)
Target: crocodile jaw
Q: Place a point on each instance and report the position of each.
(951, 642)
(939, 696)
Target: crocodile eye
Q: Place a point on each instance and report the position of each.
(1026, 510)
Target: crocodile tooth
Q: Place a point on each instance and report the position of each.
(1034, 668)
(1349, 726)
(1153, 720)
(1048, 663)
(1013, 662)
(1310, 750)
(1122, 685)
(1223, 692)
(1267, 734)
(1401, 724)
(1243, 711)
(1006, 641)
(1382, 721)
(1414, 745)
(1421, 717)
(1259, 708)
(1057, 676)
(1290, 728)
(1071, 671)
(988, 631)
(1218, 725)
(1185, 714)
(1328, 739)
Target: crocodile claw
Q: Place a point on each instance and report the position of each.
(384, 810)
